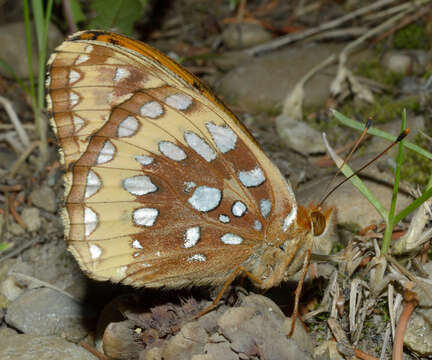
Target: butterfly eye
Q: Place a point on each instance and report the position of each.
(318, 223)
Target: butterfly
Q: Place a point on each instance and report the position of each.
(164, 185)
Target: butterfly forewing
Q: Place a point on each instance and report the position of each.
(165, 186)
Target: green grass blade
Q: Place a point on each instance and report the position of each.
(355, 180)
(38, 19)
(42, 54)
(390, 220)
(414, 205)
(29, 52)
(4, 246)
(374, 131)
(360, 186)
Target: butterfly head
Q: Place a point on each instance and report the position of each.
(320, 219)
(314, 223)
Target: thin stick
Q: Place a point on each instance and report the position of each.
(93, 351)
(405, 272)
(19, 250)
(16, 216)
(386, 12)
(41, 283)
(22, 157)
(407, 20)
(285, 40)
(363, 356)
(15, 121)
(7, 188)
(407, 310)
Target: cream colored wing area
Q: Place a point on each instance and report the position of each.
(103, 260)
(101, 220)
(101, 185)
(84, 85)
(125, 155)
(204, 110)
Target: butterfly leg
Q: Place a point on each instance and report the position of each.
(227, 283)
(298, 291)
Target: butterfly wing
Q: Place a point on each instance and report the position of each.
(165, 187)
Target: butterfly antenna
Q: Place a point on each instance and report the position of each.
(348, 158)
(401, 136)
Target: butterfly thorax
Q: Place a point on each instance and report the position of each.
(279, 258)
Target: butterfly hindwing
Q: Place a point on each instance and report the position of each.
(165, 187)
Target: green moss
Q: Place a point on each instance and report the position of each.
(412, 36)
(273, 111)
(384, 109)
(416, 169)
(375, 71)
(337, 246)
(428, 73)
(382, 306)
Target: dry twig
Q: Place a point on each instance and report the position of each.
(409, 306)
(22, 135)
(285, 40)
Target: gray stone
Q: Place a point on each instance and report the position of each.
(48, 312)
(204, 357)
(30, 347)
(120, 341)
(14, 50)
(300, 335)
(261, 83)
(411, 85)
(16, 229)
(419, 332)
(10, 289)
(407, 61)
(244, 35)
(44, 198)
(154, 353)
(7, 158)
(7, 331)
(189, 341)
(257, 328)
(221, 350)
(299, 136)
(5, 267)
(52, 263)
(397, 61)
(31, 217)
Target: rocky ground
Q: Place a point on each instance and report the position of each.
(352, 297)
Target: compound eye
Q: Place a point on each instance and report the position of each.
(318, 223)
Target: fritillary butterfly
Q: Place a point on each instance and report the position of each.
(164, 185)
